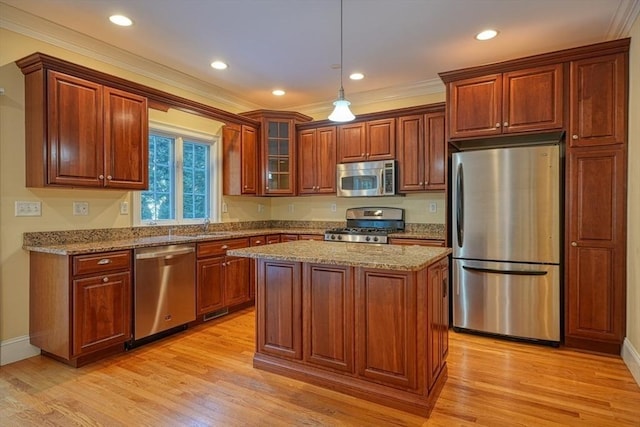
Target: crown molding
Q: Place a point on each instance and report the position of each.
(49, 32)
(623, 19)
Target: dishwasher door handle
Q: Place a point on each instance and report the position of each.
(166, 254)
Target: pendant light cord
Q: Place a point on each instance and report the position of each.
(341, 60)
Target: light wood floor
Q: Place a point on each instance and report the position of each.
(204, 377)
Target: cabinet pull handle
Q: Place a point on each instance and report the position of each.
(574, 244)
(104, 261)
(445, 288)
(258, 242)
(505, 124)
(105, 279)
(224, 247)
(574, 136)
(497, 125)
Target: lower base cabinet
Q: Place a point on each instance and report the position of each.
(376, 334)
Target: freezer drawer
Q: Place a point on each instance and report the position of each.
(514, 299)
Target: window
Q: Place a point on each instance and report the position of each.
(182, 178)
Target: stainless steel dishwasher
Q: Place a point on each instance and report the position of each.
(164, 289)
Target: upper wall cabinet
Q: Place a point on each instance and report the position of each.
(511, 102)
(277, 151)
(84, 134)
(317, 160)
(367, 141)
(239, 160)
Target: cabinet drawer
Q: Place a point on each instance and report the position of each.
(84, 264)
(258, 240)
(419, 242)
(219, 247)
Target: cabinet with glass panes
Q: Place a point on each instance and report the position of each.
(277, 150)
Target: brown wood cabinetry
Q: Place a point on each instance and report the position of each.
(422, 152)
(80, 306)
(367, 141)
(438, 319)
(83, 134)
(240, 160)
(221, 280)
(420, 242)
(317, 160)
(516, 101)
(328, 321)
(277, 151)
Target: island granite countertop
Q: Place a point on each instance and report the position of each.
(386, 257)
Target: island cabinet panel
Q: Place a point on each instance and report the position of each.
(438, 319)
(386, 327)
(328, 316)
(279, 322)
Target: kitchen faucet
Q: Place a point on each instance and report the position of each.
(205, 225)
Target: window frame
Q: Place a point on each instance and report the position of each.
(181, 134)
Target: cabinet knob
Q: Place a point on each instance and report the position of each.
(224, 264)
(104, 261)
(574, 244)
(497, 125)
(361, 154)
(505, 124)
(367, 154)
(100, 176)
(105, 279)
(245, 186)
(420, 183)
(258, 242)
(266, 188)
(574, 136)
(224, 247)
(109, 177)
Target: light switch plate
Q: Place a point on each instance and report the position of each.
(28, 208)
(124, 208)
(433, 207)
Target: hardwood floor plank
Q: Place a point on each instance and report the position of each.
(204, 377)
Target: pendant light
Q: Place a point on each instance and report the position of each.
(341, 112)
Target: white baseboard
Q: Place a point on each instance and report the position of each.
(631, 357)
(16, 349)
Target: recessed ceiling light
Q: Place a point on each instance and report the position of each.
(219, 65)
(356, 76)
(121, 20)
(278, 92)
(486, 35)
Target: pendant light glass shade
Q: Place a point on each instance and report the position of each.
(341, 112)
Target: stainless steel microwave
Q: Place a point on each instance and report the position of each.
(366, 179)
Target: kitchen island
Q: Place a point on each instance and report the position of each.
(364, 319)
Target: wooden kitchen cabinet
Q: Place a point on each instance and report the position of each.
(80, 306)
(83, 134)
(438, 319)
(317, 160)
(422, 152)
(524, 100)
(328, 293)
(277, 151)
(598, 101)
(221, 280)
(240, 160)
(419, 242)
(367, 141)
(387, 344)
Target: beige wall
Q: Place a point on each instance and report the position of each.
(633, 194)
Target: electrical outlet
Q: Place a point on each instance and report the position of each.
(225, 209)
(333, 207)
(124, 208)
(260, 207)
(28, 208)
(291, 209)
(81, 208)
(433, 207)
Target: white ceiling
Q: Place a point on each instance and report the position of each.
(400, 45)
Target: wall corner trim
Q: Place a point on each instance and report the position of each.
(631, 358)
(19, 348)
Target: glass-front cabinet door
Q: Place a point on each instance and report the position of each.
(277, 149)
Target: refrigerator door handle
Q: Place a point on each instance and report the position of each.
(459, 206)
(514, 272)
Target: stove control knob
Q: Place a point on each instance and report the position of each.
(375, 239)
(339, 237)
(367, 238)
(333, 237)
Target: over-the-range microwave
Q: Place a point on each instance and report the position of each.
(365, 179)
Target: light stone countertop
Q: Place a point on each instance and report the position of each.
(380, 256)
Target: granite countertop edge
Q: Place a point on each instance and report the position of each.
(140, 242)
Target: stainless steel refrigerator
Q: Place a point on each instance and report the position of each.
(506, 241)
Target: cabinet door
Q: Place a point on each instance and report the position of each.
(411, 157)
(475, 106)
(249, 159)
(352, 145)
(386, 334)
(279, 157)
(444, 320)
(381, 139)
(279, 305)
(434, 319)
(75, 126)
(532, 99)
(598, 101)
(240, 160)
(436, 152)
(237, 280)
(328, 320)
(596, 247)
(307, 161)
(210, 289)
(126, 140)
(101, 312)
(325, 165)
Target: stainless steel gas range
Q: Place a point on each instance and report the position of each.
(368, 225)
